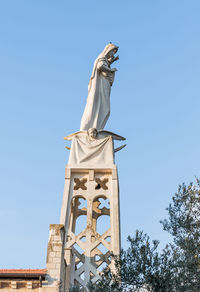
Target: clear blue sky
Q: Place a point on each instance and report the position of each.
(47, 50)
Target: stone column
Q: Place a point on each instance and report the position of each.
(90, 193)
(55, 262)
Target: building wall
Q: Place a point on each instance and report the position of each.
(19, 285)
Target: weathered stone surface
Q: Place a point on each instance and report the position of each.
(87, 250)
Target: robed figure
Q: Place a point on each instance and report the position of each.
(97, 108)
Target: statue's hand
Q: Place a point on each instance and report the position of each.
(117, 58)
(113, 59)
(114, 69)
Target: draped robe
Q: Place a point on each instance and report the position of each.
(97, 108)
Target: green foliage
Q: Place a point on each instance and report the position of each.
(184, 225)
(141, 266)
(76, 289)
(177, 267)
(109, 282)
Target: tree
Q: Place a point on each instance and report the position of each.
(139, 268)
(177, 267)
(141, 265)
(184, 225)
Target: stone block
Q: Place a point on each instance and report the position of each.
(56, 238)
(57, 248)
(50, 260)
(114, 173)
(51, 265)
(67, 173)
(52, 254)
(29, 285)
(56, 229)
(54, 272)
(13, 285)
(56, 260)
(91, 174)
(58, 254)
(48, 289)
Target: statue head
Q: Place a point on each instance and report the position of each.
(110, 50)
(92, 133)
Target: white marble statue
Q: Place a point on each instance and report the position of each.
(93, 145)
(97, 108)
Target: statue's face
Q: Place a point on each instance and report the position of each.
(111, 53)
(92, 132)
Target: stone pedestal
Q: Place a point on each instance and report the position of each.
(90, 195)
(89, 230)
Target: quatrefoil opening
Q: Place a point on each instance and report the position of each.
(80, 183)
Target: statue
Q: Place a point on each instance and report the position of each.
(97, 108)
(93, 145)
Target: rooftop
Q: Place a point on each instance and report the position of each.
(22, 273)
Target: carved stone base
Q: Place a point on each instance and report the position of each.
(89, 230)
(90, 214)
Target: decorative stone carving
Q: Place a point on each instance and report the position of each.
(80, 184)
(90, 247)
(101, 183)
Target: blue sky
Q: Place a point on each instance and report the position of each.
(47, 50)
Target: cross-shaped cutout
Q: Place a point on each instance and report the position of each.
(101, 183)
(80, 183)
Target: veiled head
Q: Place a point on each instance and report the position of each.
(109, 50)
